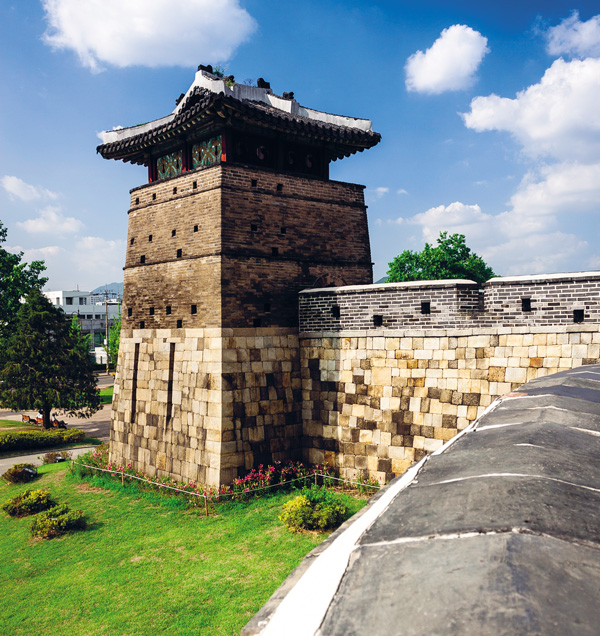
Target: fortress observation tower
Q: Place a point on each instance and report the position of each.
(237, 217)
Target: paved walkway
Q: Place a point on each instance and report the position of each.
(36, 459)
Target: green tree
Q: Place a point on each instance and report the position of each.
(47, 364)
(81, 341)
(17, 280)
(450, 258)
(114, 340)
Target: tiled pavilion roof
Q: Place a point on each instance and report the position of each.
(205, 108)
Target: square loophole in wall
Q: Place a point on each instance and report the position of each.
(253, 183)
(175, 190)
(257, 322)
(154, 196)
(335, 311)
(151, 311)
(179, 253)
(280, 187)
(149, 238)
(195, 228)
(526, 305)
(253, 227)
(142, 259)
(142, 324)
(131, 241)
(425, 307)
(194, 309)
(377, 320)
(173, 232)
(578, 315)
(275, 251)
(195, 185)
(129, 312)
(168, 310)
(137, 200)
(179, 324)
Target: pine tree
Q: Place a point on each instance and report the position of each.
(47, 364)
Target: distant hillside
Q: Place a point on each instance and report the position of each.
(111, 287)
(381, 280)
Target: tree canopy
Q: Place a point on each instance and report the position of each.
(114, 341)
(17, 280)
(450, 258)
(47, 364)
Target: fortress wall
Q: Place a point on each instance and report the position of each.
(431, 305)
(262, 399)
(208, 402)
(375, 399)
(553, 299)
(171, 380)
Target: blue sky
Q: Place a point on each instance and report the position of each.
(488, 112)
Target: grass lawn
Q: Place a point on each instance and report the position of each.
(106, 395)
(10, 426)
(145, 565)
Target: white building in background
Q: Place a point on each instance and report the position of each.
(91, 314)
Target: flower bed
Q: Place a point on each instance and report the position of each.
(278, 475)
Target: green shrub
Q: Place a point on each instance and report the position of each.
(22, 440)
(56, 456)
(315, 509)
(28, 503)
(56, 521)
(20, 474)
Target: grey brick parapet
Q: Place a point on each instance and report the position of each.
(516, 301)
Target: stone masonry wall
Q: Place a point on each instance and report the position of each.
(390, 372)
(207, 403)
(374, 401)
(167, 404)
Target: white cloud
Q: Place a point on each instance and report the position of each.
(41, 253)
(511, 242)
(575, 38)
(538, 253)
(373, 194)
(97, 256)
(456, 218)
(450, 64)
(51, 221)
(18, 189)
(88, 261)
(564, 188)
(529, 237)
(401, 191)
(147, 32)
(558, 117)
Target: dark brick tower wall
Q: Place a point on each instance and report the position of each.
(209, 372)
